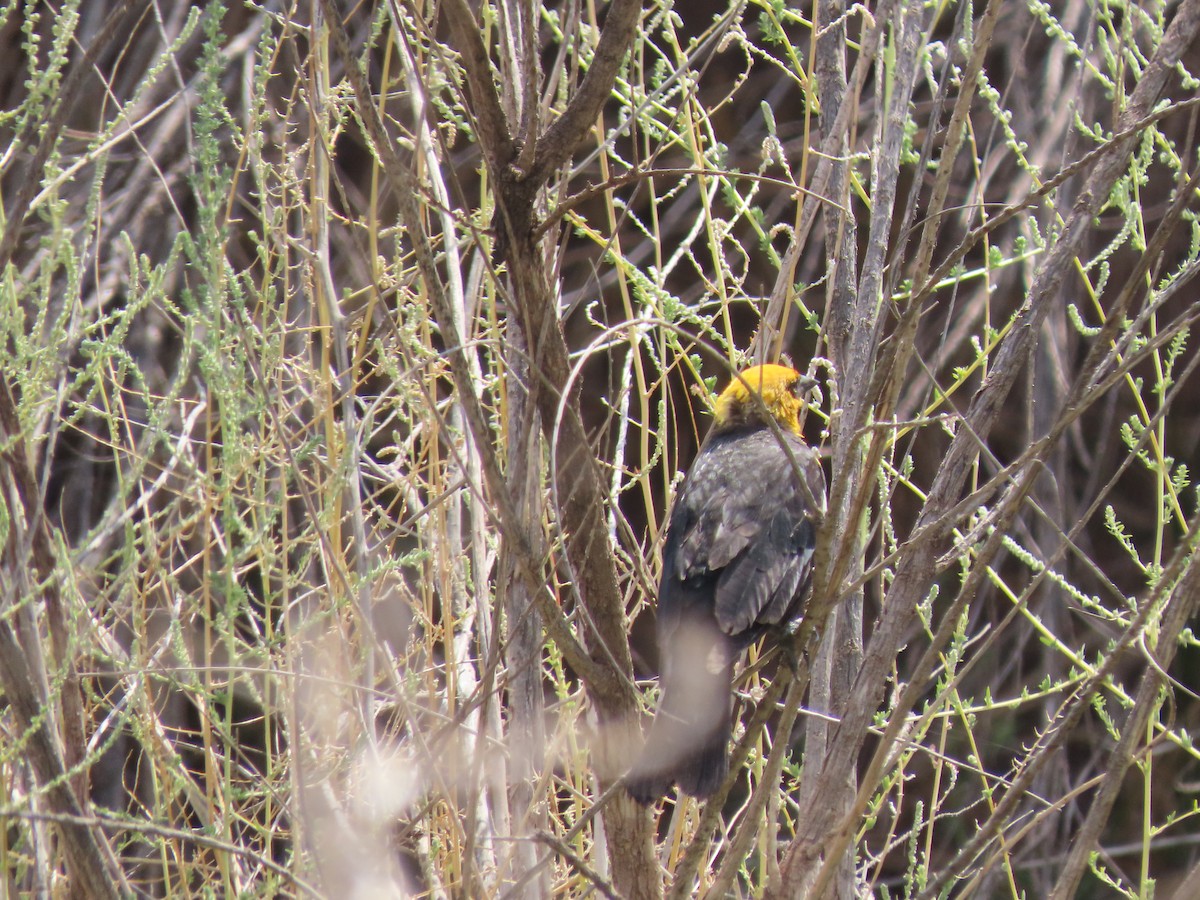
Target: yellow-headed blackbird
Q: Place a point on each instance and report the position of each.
(737, 563)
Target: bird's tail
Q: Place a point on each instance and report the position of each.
(688, 743)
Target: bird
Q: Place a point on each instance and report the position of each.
(736, 564)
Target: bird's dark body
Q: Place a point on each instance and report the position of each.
(737, 563)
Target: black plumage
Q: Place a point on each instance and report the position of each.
(737, 563)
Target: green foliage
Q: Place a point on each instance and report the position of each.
(284, 576)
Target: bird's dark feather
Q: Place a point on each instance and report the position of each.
(742, 527)
(737, 562)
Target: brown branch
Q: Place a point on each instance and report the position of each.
(567, 132)
(1184, 571)
(406, 193)
(595, 190)
(29, 550)
(763, 343)
(29, 564)
(581, 496)
(606, 667)
(824, 834)
(491, 124)
(69, 93)
(1180, 609)
(597, 881)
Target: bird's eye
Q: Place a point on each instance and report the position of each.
(801, 386)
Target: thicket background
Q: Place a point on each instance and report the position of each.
(350, 355)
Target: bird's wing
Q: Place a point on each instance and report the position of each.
(742, 521)
(759, 587)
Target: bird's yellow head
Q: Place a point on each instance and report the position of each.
(778, 386)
